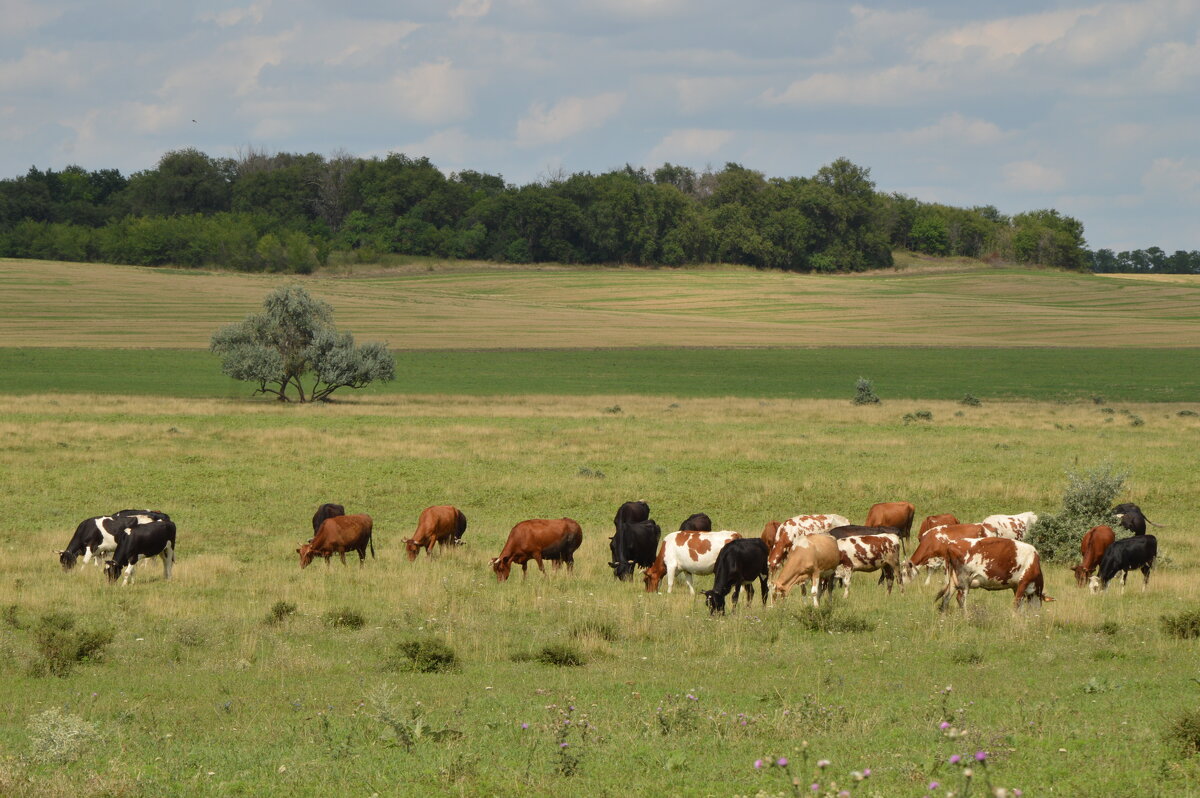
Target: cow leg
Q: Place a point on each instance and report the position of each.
(762, 588)
(342, 555)
(168, 558)
(750, 592)
(1146, 575)
(538, 558)
(690, 583)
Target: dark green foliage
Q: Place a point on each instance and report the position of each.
(563, 655)
(280, 612)
(11, 617)
(826, 619)
(967, 655)
(345, 618)
(864, 392)
(1184, 733)
(61, 646)
(1087, 500)
(970, 400)
(601, 629)
(917, 416)
(1184, 625)
(426, 655)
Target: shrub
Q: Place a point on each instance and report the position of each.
(280, 612)
(1187, 413)
(1185, 625)
(428, 655)
(561, 654)
(919, 415)
(57, 736)
(825, 619)
(1184, 733)
(601, 629)
(864, 392)
(61, 646)
(345, 618)
(970, 400)
(1086, 502)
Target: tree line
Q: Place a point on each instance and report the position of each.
(292, 212)
(1145, 261)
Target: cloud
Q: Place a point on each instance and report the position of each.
(41, 69)
(434, 92)
(897, 85)
(471, 9)
(1176, 178)
(999, 38)
(236, 16)
(1032, 177)
(22, 17)
(683, 146)
(566, 118)
(701, 93)
(954, 128)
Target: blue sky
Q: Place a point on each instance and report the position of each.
(1092, 109)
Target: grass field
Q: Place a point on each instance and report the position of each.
(200, 693)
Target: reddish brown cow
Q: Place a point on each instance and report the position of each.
(441, 524)
(770, 530)
(338, 535)
(1095, 542)
(990, 563)
(897, 514)
(538, 539)
(956, 531)
(945, 519)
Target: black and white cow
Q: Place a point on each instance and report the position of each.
(696, 522)
(1123, 556)
(633, 544)
(93, 537)
(740, 562)
(156, 539)
(142, 516)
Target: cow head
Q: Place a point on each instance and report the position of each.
(306, 554)
(652, 578)
(66, 559)
(112, 570)
(412, 548)
(715, 602)
(501, 567)
(622, 570)
(1081, 575)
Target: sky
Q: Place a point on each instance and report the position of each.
(1091, 109)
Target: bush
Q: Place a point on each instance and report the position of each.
(280, 612)
(61, 646)
(601, 629)
(561, 654)
(1185, 625)
(426, 656)
(1184, 733)
(345, 618)
(864, 392)
(825, 619)
(970, 400)
(1087, 500)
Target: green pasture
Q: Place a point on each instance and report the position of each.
(203, 692)
(1108, 375)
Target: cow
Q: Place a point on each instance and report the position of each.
(634, 544)
(94, 536)
(1095, 542)
(740, 562)
(854, 530)
(947, 531)
(813, 559)
(869, 553)
(440, 524)
(769, 533)
(943, 519)
(326, 511)
(793, 528)
(687, 553)
(1132, 518)
(1012, 527)
(630, 513)
(538, 539)
(990, 563)
(1125, 555)
(142, 516)
(155, 539)
(696, 522)
(897, 514)
(339, 534)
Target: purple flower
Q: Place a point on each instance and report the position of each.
(844, 794)
(691, 697)
(814, 786)
(782, 762)
(954, 760)
(758, 763)
(933, 785)
(867, 772)
(524, 725)
(1017, 792)
(944, 725)
(562, 745)
(981, 756)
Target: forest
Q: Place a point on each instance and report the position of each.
(292, 213)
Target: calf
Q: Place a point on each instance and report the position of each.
(740, 562)
(441, 524)
(339, 534)
(538, 539)
(326, 511)
(1095, 542)
(696, 522)
(896, 514)
(813, 559)
(869, 553)
(95, 536)
(687, 553)
(155, 539)
(1012, 527)
(1125, 555)
(633, 545)
(789, 531)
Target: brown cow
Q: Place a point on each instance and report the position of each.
(991, 563)
(441, 524)
(897, 514)
(1095, 541)
(554, 539)
(813, 559)
(770, 530)
(338, 535)
(944, 519)
(794, 528)
(948, 531)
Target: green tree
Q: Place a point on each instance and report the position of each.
(295, 338)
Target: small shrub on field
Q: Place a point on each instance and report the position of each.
(1108, 628)
(970, 400)
(12, 618)
(615, 409)
(190, 635)
(563, 655)
(1097, 399)
(864, 392)
(1184, 733)
(1086, 502)
(1108, 411)
(404, 729)
(1135, 420)
(57, 736)
(967, 655)
(426, 655)
(60, 646)
(345, 618)
(1187, 413)
(601, 629)
(280, 612)
(1184, 625)
(826, 619)
(919, 415)
(584, 471)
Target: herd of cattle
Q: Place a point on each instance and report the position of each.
(807, 550)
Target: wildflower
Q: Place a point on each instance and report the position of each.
(524, 725)
(782, 762)
(866, 773)
(563, 745)
(815, 787)
(691, 697)
(822, 763)
(857, 775)
(954, 760)
(968, 773)
(1017, 792)
(981, 756)
(933, 785)
(844, 794)
(944, 725)
(758, 763)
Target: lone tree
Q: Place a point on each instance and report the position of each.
(293, 337)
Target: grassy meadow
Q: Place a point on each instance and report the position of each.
(527, 393)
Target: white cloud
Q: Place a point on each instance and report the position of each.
(954, 128)
(235, 16)
(897, 85)
(434, 92)
(999, 38)
(352, 43)
(1177, 178)
(700, 94)
(1032, 176)
(471, 9)
(234, 68)
(566, 118)
(22, 17)
(41, 69)
(683, 146)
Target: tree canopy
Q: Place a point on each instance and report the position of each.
(294, 338)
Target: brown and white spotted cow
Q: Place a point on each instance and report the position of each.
(1013, 527)
(1095, 542)
(946, 531)
(869, 553)
(942, 519)
(988, 563)
(793, 528)
(687, 553)
(897, 514)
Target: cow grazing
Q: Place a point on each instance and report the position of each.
(538, 539)
(1013, 527)
(740, 562)
(155, 539)
(1132, 518)
(440, 524)
(869, 553)
(687, 553)
(1095, 542)
(946, 531)
(339, 534)
(793, 528)
(634, 544)
(897, 514)
(93, 537)
(630, 513)
(943, 519)
(991, 563)
(813, 559)
(324, 512)
(1125, 555)
(696, 522)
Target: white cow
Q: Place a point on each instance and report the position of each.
(688, 553)
(1012, 527)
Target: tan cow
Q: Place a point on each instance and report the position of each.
(441, 524)
(338, 535)
(812, 559)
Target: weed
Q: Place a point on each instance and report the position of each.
(967, 655)
(1097, 399)
(614, 410)
(61, 646)
(601, 629)
(919, 415)
(190, 635)
(825, 619)
(1108, 411)
(428, 655)
(1184, 733)
(584, 471)
(570, 740)
(970, 400)
(280, 612)
(864, 392)
(677, 713)
(11, 617)
(1135, 420)
(563, 655)
(1108, 628)
(1184, 625)
(404, 729)
(57, 736)
(1187, 413)
(345, 618)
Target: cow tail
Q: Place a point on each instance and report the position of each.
(371, 543)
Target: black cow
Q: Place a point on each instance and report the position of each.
(631, 513)
(740, 562)
(327, 511)
(1125, 555)
(156, 539)
(1132, 518)
(696, 522)
(852, 530)
(95, 536)
(634, 544)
